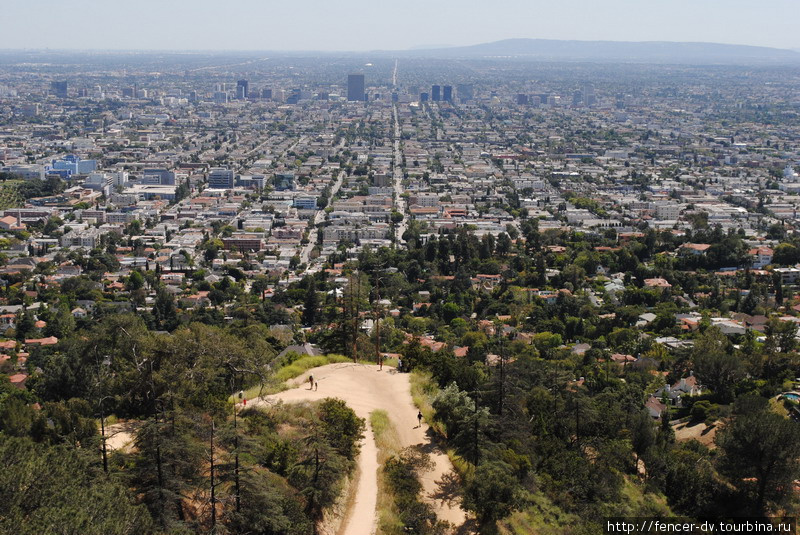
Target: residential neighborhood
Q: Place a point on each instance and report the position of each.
(584, 280)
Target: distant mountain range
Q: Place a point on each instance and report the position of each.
(624, 51)
(654, 52)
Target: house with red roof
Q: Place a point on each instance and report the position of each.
(18, 380)
(461, 351)
(49, 341)
(695, 249)
(622, 358)
(11, 223)
(657, 283)
(761, 256)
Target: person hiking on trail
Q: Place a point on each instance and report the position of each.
(419, 419)
(310, 382)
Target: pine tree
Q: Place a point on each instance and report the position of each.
(311, 303)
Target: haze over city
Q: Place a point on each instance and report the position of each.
(361, 25)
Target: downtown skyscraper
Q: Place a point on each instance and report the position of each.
(355, 87)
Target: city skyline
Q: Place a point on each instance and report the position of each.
(357, 25)
(526, 287)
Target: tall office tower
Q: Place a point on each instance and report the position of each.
(59, 89)
(436, 93)
(128, 92)
(423, 97)
(192, 96)
(447, 93)
(242, 89)
(465, 92)
(266, 93)
(220, 97)
(294, 96)
(522, 99)
(577, 98)
(589, 99)
(355, 87)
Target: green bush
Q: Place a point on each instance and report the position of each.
(704, 411)
(401, 473)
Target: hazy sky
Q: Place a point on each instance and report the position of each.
(385, 24)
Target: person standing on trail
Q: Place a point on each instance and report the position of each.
(316, 384)
(310, 382)
(419, 419)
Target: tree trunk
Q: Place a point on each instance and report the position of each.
(213, 486)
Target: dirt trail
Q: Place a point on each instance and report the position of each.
(700, 432)
(364, 388)
(121, 435)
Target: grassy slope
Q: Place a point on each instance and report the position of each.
(387, 439)
(543, 517)
(423, 391)
(277, 382)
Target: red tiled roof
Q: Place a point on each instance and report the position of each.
(696, 246)
(49, 341)
(18, 379)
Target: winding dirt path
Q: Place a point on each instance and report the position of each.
(364, 388)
